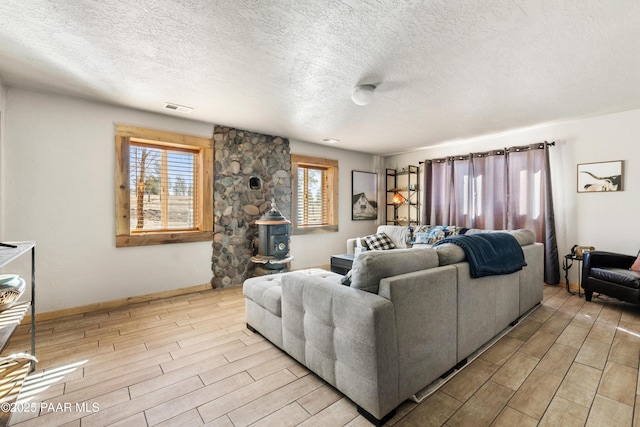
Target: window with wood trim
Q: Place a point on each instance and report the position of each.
(164, 187)
(315, 194)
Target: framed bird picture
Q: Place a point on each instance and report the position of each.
(600, 176)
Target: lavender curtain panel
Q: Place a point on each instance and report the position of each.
(427, 172)
(488, 190)
(497, 190)
(531, 203)
(438, 207)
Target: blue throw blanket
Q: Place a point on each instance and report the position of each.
(489, 254)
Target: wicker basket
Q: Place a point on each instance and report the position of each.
(10, 292)
(13, 369)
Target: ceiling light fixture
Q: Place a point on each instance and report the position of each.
(363, 94)
(177, 107)
(330, 140)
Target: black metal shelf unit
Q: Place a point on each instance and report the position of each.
(402, 196)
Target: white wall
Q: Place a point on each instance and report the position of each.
(604, 220)
(58, 172)
(3, 93)
(313, 250)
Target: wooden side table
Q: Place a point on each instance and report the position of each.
(341, 264)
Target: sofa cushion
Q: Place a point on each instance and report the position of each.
(372, 266)
(398, 234)
(433, 234)
(524, 236)
(379, 241)
(620, 276)
(448, 253)
(265, 291)
(421, 237)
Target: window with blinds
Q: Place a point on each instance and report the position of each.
(315, 198)
(163, 188)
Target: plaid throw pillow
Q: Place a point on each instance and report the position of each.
(378, 241)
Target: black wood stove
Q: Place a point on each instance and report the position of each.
(273, 242)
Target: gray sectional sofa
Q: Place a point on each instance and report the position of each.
(408, 317)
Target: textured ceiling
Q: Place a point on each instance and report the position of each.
(444, 69)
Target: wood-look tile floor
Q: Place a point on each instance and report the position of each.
(189, 361)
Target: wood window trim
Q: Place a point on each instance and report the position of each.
(332, 209)
(204, 231)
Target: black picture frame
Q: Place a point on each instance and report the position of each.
(364, 193)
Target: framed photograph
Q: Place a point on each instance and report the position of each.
(364, 191)
(600, 176)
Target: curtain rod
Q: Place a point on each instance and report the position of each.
(499, 152)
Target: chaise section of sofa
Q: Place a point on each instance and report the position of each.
(345, 336)
(263, 302)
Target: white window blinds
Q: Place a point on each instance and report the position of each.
(163, 188)
(312, 196)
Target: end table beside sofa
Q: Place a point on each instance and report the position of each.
(342, 264)
(408, 317)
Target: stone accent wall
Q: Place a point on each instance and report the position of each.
(239, 156)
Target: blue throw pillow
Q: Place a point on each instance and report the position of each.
(421, 238)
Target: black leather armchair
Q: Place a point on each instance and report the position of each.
(608, 273)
